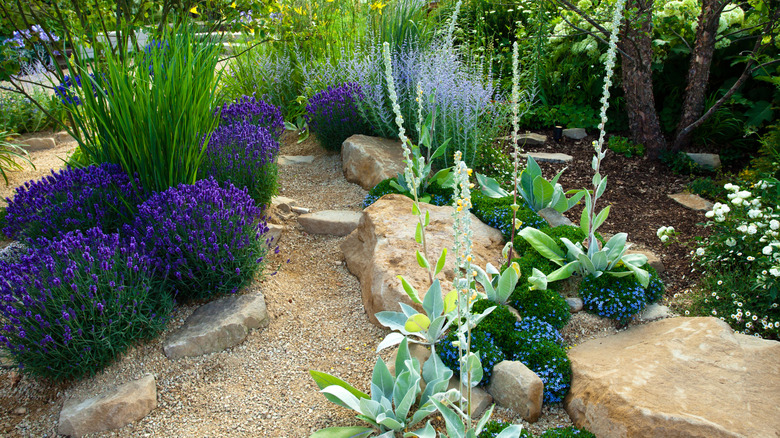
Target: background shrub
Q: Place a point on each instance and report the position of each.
(482, 343)
(547, 305)
(625, 147)
(256, 112)
(617, 298)
(205, 239)
(245, 155)
(75, 303)
(333, 116)
(19, 114)
(72, 199)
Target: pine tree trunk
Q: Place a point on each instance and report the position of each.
(638, 78)
(699, 70)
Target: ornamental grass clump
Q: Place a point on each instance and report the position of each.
(73, 304)
(243, 154)
(72, 199)
(205, 239)
(332, 115)
(256, 112)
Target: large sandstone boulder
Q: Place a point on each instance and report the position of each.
(383, 247)
(679, 377)
(111, 410)
(369, 160)
(516, 387)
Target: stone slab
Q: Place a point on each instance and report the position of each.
(110, 410)
(575, 133)
(286, 160)
(692, 202)
(38, 144)
(332, 222)
(546, 157)
(708, 161)
(218, 325)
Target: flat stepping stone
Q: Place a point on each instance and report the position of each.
(691, 201)
(550, 157)
(218, 325)
(575, 133)
(110, 410)
(528, 139)
(63, 137)
(332, 222)
(286, 160)
(708, 161)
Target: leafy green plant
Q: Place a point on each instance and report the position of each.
(625, 147)
(498, 212)
(545, 304)
(9, 153)
(566, 432)
(396, 403)
(19, 113)
(494, 427)
(537, 192)
(680, 163)
(149, 111)
(709, 188)
(618, 298)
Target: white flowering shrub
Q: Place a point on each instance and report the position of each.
(741, 259)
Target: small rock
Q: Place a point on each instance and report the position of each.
(333, 222)
(286, 160)
(274, 234)
(575, 304)
(553, 217)
(480, 399)
(218, 325)
(20, 410)
(653, 312)
(575, 133)
(39, 144)
(367, 161)
(550, 158)
(691, 201)
(63, 137)
(516, 387)
(708, 161)
(283, 203)
(110, 410)
(300, 210)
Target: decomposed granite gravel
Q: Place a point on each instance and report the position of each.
(260, 388)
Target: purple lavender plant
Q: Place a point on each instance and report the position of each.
(256, 112)
(205, 239)
(245, 155)
(66, 90)
(72, 199)
(71, 305)
(333, 116)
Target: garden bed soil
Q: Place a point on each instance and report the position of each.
(262, 386)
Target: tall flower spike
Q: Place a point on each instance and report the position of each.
(617, 17)
(399, 119)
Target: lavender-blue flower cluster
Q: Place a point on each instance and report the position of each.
(71, 199)
(257, 112)
(332, 115)
(481, 342)
(617, 298)
(66, 89)
(205, 239)
(545, 358)
(245, 155)
(71, 305)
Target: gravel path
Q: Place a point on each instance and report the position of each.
(260, 388)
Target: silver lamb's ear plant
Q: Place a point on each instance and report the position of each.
(594, 260)
(393, 398)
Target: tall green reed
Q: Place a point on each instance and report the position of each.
(150, 111)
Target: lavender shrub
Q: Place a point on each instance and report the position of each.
(72, 199)
(257, 112)
(207, 240)
(71, 305)
(245, 155)
(333, 116)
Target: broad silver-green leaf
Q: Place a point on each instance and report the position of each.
(635, 259)
(532, 167)
(392, 339)
(370, 408)
(641, 275)
(542, 243)
(402, 356)
(507, 282)
(563, 272)
(538, 279)
(599, 261)
(453, 422)
(586, 264)
(391, 320)
(600, 218)
(436, 328)
(490, 187)
(433, 303)
(427, 432)
(383, 380)
(601, 187)
(408, 310)
(410, 290)
(392, 424)
(543, 192)
(512, 431)
(417, 323)
(343, 432)
(585, 221)
(483, 279)
(323, 380)
(485, 417)
(346, 397)
(471, 368)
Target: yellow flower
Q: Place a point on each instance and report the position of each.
(233, 5)
(299, 10)
(194, 10)
(470, 172)
(468, 258)
(378, 6)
